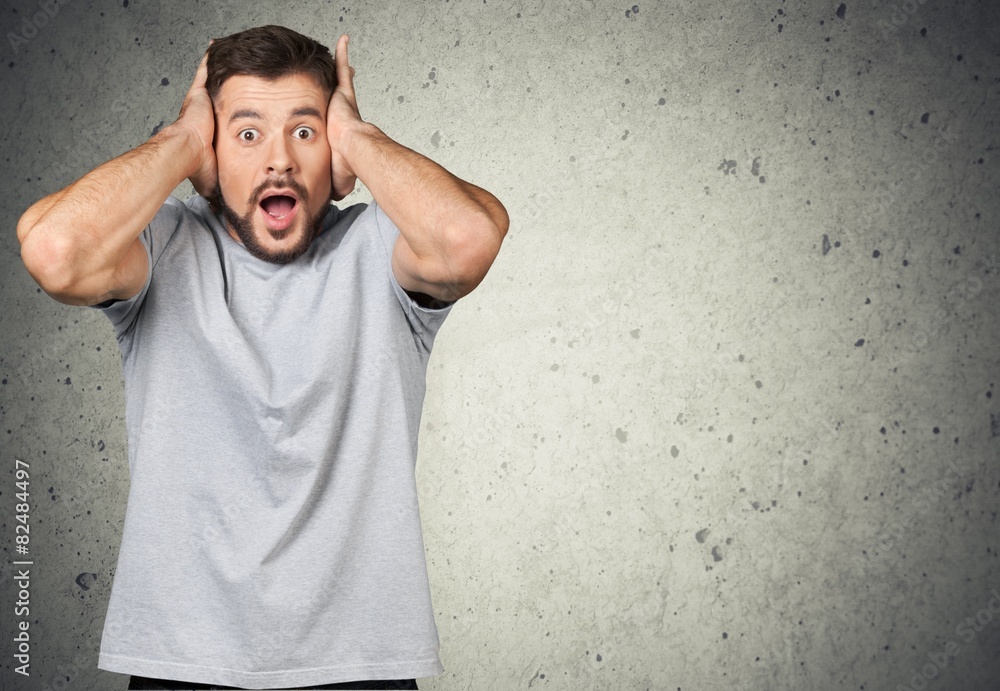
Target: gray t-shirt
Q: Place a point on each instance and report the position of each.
(272, 536)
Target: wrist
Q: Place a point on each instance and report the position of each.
(192, 149)
(352, 138)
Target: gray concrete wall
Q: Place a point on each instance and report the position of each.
(723, 415)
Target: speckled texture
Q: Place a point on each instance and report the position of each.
(723, 413)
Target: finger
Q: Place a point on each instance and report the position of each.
(201, 76)
(345, 73)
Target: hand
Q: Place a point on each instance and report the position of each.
(342, 114)
(197, 117)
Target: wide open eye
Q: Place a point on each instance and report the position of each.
(248, 135)
(304, 133)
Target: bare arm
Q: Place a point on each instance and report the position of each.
(81, 244)
(450, 230)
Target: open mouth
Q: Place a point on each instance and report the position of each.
(278, 209)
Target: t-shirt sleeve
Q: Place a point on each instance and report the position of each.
(424, 321)
(154, 238)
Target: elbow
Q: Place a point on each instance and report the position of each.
(29, 220)
(25, 225)
(47, 259)
(37, 249)
(476, 247)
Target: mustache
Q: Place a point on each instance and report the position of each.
(277, 184)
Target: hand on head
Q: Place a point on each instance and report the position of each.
(341, 116)
(197, 118)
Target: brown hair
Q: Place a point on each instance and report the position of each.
(269, 52)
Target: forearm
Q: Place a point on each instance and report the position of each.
(86, 229)
(446, 222)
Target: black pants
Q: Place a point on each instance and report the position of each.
(147, 683)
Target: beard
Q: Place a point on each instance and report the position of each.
(243, 226)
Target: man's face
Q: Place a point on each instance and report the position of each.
(274, 163)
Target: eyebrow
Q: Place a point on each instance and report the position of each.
(254, 115)
(305, 110)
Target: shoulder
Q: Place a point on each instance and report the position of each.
(175, 214)
(195, 209)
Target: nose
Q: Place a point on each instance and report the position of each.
(279, 158)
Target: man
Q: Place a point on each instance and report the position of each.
(274, 350)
